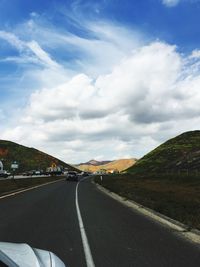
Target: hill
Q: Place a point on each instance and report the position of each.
(27, 158)
(166, 180)
(177, 155)
(118, 165)
(94, 162)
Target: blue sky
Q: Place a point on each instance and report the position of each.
(71, 56)
(175, 24)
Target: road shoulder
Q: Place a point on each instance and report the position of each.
(184, 231)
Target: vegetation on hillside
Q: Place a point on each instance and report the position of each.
(27, 158)
(178, 155)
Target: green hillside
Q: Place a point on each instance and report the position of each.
(166, 180)
(177, 155)
(27, 158)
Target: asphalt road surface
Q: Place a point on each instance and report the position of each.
(117, 236)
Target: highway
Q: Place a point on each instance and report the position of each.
(117, 236)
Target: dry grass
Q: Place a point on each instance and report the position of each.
(177, 197)
(10, 185)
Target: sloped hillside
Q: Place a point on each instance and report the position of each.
(28, 158)
(179, 154)
(119, 165)
(94, 162)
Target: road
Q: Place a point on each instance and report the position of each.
(47, 218)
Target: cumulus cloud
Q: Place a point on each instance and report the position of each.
(114, 95)
(195, 54)
(149, 96)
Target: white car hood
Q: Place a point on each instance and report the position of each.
(15, 255)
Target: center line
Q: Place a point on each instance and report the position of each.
(86, 247)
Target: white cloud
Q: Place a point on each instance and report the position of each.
(41, 54)
(38, 55)
(171, 3)
(195, 54)
(112, 96)
(94, 53)
(149, 96)
(12, 39)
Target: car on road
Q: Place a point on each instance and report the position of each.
(84, 174)
(5, 174)
(72, 176)
(37, 173)
(28, 173)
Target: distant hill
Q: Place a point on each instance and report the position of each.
(178, 154)
(27, 158)
(94, 162)
(118, 165)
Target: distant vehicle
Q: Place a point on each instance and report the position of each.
(54, 170)
(84, 174)
(37, 173)
(12, 255)
(6, 174)
(72, 176)
(28, 173)
(25, 174)
(3, 173)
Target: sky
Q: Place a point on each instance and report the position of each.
(107, 79)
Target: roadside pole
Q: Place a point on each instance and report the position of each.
(14, 166)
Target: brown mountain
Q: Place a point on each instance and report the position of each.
(116, 165)
(94, 162)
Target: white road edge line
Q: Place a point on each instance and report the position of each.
(86, 247)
